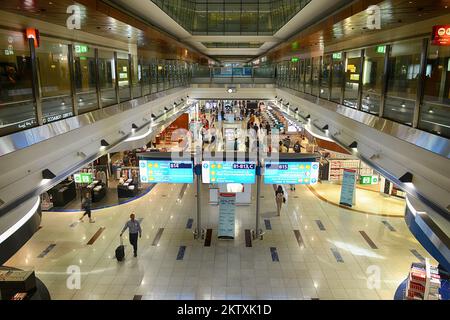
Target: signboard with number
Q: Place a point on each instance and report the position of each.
(226, 225)
(166, 171)
(228, 172)
(83, 177)
(441, 35)
(291, 173)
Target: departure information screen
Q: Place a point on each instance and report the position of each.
(166, 171)
(228, 172)
(291, 173)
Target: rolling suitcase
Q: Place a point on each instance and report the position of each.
(120, 251)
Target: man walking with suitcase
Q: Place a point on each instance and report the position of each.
(135, 228)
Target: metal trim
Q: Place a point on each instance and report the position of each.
(437, 208)
(42, 188)
(22, 139)
(425, 140)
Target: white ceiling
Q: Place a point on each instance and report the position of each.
(149, 11)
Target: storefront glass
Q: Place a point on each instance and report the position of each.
(107, 77)
(337, 77)
(403, 79)
(54, 80)
(435, 109)
(316, 76)
(308, 76)
(136, 77)
(85, 78)
(373, 79)
(352, 74)
(325, 77)
(17, 107)
(123, 72)
(145, 77)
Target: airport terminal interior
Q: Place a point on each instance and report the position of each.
(224, 150)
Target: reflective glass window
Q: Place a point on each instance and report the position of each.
(107, 77)
(325, 77)
(17, 108)
(337, 76)
(54, 80)
(352, 75)
(316, 76)
(85, 77)
(123, 73)
(373, 79)
(435, 109)
(403, 78)
(136, 77)
(308, 68)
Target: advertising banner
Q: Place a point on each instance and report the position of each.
(441, 35)
(348, 188)
(227, 206)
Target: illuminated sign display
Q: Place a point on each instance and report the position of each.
(337, 55)
(291, 173)
(228, 172)
(368, 180)
(441, 35)
(81, 49)
(381, 49)
(166, 171)
(294, 59)
(83, 177)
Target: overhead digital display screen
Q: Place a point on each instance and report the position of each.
(166, 171)
(291, 173)
(228, 172)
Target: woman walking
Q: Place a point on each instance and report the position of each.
(86, 205)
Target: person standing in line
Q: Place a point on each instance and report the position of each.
(134, 228)
(279, 198)
(297, 147)
(86, 205)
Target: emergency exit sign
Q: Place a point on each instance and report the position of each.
(81, 48)
(365, 180)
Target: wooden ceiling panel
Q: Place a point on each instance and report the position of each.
(101, 19)
(351, 22)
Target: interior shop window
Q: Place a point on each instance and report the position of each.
(308, 75)
(85, 77)
(123, 72)
(337, 76)
(146, 74)
(264, 19)
(403, 78)
(54, 79)
(435, 109)
(107, 77)
(325, 77)
(17, 108)
(301, 82)
(154, 76)
(233, 19)
(316, 76)
(160, 74)
(136, 77)
(215, 18)
(352, 74)
(373, 79)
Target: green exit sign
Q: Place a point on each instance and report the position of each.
(81, 48)
(294, 59)
(83, 177)
(381, 49)
(337, 55)
(365, 180)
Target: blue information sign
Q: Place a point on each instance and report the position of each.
(291, 173)
(228, 172)
(348, 188)
(166, 171)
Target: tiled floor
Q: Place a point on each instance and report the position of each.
(227, 269)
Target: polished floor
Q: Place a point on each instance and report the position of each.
(313, 250)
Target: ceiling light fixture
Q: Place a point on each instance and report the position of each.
(407, 177)
(325, 127)
(104, 143)
(47, 174)
(353, 145)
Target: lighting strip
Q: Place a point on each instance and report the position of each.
(21, 222)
